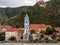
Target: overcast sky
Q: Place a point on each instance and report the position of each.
(16, 3)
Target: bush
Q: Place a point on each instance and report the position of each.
(12, 39)
(53, 36)
(49, 31)
(21, 37)
(32, 31)
(30, 38)
(51, 41)
(2, 36)
(34, 41)
(42, 41)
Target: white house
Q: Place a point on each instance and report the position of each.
(11, 32)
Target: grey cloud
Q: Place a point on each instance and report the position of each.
(12, 3)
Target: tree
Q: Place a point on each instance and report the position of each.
(30, 37)
(12, 38)
(53, 36)
(49, 31)
(32, 31)
(41, 35)
(42, 31)
(2, 36)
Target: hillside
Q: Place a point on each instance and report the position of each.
(48, 15)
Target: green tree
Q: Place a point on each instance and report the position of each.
(2, 36)
(12, 38)
(53, 36)
(49, 31)
(32, 31)
(42, 31)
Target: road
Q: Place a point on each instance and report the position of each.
(29, 43)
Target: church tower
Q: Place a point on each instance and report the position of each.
(26, 28)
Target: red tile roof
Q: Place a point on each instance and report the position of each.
(11, 29)
(14, 29)
(37, 26)
(20, 29)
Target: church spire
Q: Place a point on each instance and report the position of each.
(26, 27)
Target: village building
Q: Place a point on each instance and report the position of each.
(3, 27)
(41, 3)
(37, 27)
(23, 33)
(57, 29)
(11, 32)
(20, 33)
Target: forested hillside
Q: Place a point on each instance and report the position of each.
(48, 15)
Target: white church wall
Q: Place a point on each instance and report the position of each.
(10, 34)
